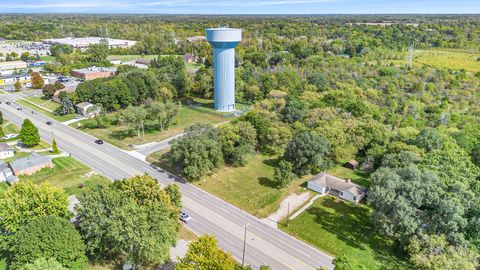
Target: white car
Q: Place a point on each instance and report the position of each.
(185, 217)
(10, 136)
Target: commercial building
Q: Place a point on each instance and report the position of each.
(84, 43)
(224, 41)
(24, 79)
(93, 72)
(13, 65)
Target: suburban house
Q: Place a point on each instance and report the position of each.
(87, 109)
(6, 151)
(6, 174)
(324, 183)
(31, 164)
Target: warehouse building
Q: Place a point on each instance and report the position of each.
(93, 72)
(24, 79)
(83, 43)
(13, 65)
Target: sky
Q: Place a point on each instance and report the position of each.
(241, 6)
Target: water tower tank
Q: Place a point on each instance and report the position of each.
(224, 41)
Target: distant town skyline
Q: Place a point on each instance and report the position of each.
(243, 6)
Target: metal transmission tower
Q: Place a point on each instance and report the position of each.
(224, 41)
(410, 55)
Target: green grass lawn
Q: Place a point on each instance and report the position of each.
(47, 58)
(3, 188)
(122, 136)
(67, 174)
(343, 228)
(357, 176)
(9, 127)
(249, 188)
(44, 102)
(60, 118)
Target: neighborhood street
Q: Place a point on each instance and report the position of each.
(210, 215)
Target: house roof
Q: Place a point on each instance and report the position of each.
(330, 181)
(353, 162)
(84, 105)
(5, 147)
(34, 159)
(3, 166)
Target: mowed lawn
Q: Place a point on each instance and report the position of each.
(67, 174)
(343, 228)
(59, 118)
(44, 102)
(9, 127)
(249, 188)
(123, 136)
(357, 176)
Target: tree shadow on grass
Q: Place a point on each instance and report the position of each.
(265, 181)
(122, 134)
(272, 162)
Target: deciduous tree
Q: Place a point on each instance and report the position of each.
(308, 152)
(204, 253)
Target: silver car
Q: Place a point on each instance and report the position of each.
(185, 217)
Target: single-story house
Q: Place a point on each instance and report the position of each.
(6, 151)
(87, 109)
(31, 164)
(352, 164)
(6, 174)
(324, 183)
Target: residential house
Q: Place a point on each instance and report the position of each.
(87, 109)
(6, 151)
(324, 183)
(31, 164)
(6, 174)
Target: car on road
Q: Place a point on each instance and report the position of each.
(185, 217)
(19, 109)
(98, 141)
(8, 103)
(33, 112)
(49, 123)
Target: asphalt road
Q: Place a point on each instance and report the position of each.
(210, 215)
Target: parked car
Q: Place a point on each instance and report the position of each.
(10, 136)
(98, 141)
(185, 217)
(49, 123)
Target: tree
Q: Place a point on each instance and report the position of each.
(24, 202)
(2, 133)
(1, 118)
(204, 253)
(66, 104)
(173, 192)
(98, 52)
(283, 175)
(134, 117)
(55, 147)
(130, 220)
(59, 49)
(430, 139)
(347, 263)
(163, 112)
(37, 80)
(49, 90)
(293, 111)
(435, 253)
(18, 86)
(29, 134)
(198, 152)
(308, 152)
(49, 237)
(42, 263)
(25, 56)
(237, 140)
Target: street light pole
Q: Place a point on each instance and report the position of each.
(288, 213)
(244, 245)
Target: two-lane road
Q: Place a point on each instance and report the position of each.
(265, 245)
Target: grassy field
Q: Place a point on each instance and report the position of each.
(67, 174)
(249, 188)
(44, 102)
(122, 136)
(450, 59)
(3, 188)
(342, 228)
(186, 234)
(9, 128)
(47, 58)
(60, 118)
(356, 176)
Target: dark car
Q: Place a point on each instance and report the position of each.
(98, 141)
(19, 109)
(8, 103)
(49, 123)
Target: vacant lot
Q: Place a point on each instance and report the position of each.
(343, 228)
(249, 188)
(450, 59)
(67, 174)
(122, 136)
(60, 118)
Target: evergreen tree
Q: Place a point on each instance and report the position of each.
(29, 134)
(1, 118)
(55, 147)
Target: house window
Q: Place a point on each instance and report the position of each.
(341, 193)
(354, 198)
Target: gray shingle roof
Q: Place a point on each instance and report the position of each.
(33, 160)
(5, 147)
(339, 184)
(3, 166)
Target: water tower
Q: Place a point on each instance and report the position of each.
(224, 41)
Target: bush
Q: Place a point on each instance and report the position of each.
(284, 176)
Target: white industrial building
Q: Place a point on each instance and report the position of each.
(13, 65)
(83, 43)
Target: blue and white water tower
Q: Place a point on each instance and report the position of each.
(224, 41)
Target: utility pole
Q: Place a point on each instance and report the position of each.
(143, 133)
(244, 244)
(410, 55)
